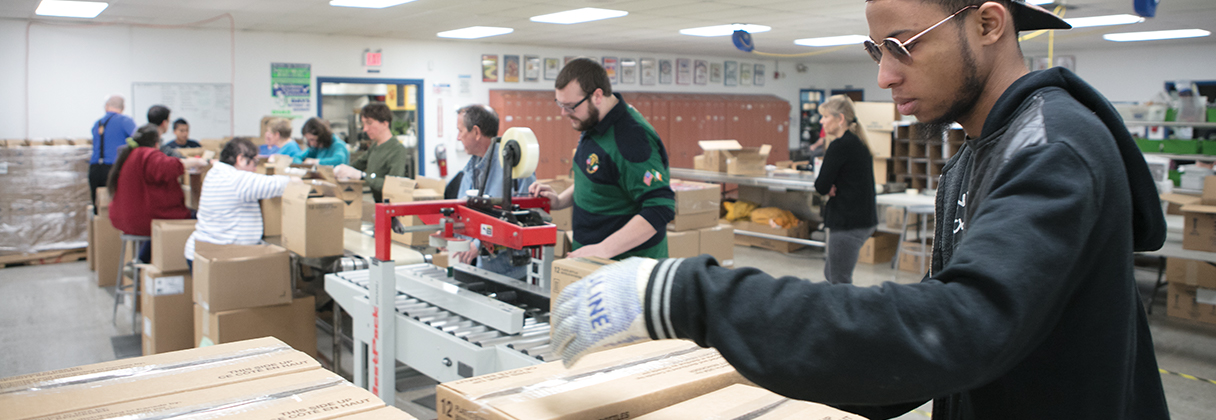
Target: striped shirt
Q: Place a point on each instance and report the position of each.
(228, 211)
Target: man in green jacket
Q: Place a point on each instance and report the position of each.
(386, 156)
(621, 195)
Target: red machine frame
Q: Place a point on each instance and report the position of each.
(476, 224)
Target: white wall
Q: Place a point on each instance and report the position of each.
(73, 68)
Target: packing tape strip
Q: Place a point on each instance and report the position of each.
(529, 151)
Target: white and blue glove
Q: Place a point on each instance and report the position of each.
(603, 310)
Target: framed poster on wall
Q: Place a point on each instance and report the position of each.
(552, 67)
(683, 71)
(531, 68)
(649, 71)
(745, 74)
(759, 81)
(510, 68)
(731, 73)
(700, 72)
(629, 71)
(489, 68)
(715, 73)
(610, 66)
(665, 72)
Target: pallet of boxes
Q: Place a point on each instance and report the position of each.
(255, 379)
(1192, 283)
(695, 229)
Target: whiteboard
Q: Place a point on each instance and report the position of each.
(206, 106)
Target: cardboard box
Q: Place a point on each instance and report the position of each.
(564, 218)
(166, 301)
(699, 163)
(272, 216)
(441, 259)
(108, 242)
(76, 397)
(683, 244)
(293, 323)
(1190, 273)
(228, 277)
(1209, 191)
(405, 190)
(90, 247)
(880, 171)
(1175, 202)
(1199, 233)
(662, 373)
(733, 158)
(312, 227)
(562, 243)
(693, 221)
(1183, 302)
(569, 270)
(741, 401)
(169, 242)
(718, 241)
(351, 193)
(386, 413)
(910, 258)
(332, 402)
(802, 231)
(696, 197)
(878, 121)
(879, 249)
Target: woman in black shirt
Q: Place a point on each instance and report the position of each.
(847, 176)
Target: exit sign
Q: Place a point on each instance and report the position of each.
(371, 59)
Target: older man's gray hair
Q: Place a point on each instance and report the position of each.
(480, 116)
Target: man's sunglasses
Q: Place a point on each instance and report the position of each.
(571, 108)
(899, 49)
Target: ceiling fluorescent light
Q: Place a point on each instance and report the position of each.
(368, 4)
(725, 30)
(1156, 35)
(832, 41)
(474, 32)
(72, 9)
(586, 14)
(1107, 20)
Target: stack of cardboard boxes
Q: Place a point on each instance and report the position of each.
(404, 190)
(244, 291)
(166, 290)
(695, 229)
(1192, 284)
(105, 243)
(256, 379)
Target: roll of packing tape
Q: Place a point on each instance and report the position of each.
(529, 151)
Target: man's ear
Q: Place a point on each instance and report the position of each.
(476, 131)
(994, 22)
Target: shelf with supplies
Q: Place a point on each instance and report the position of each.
(918, 161)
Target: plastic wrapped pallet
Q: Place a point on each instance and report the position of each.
(46, 194)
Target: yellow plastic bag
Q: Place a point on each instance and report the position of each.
(738, 210)
(775, 217)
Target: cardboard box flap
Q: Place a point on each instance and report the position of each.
(210, 251)
(433, 184)
(398, 189)
(1199, 208)
(1180, 199)
(719, 145)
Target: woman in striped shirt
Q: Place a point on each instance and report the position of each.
(228, 211)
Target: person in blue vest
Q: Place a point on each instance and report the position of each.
(109, 133)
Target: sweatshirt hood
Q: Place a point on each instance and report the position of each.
(1148, 222)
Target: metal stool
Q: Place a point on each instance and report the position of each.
(138, 242)
(924, 212)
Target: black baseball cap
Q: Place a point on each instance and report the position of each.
(1029, 17)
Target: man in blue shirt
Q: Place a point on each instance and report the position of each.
(476, 127)
(109, 133)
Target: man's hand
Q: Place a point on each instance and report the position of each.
(347, 172)
(193, 162)
(602, 311)
(541, 190)
(832, 193)
(596, 250)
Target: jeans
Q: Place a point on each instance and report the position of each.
(841, 253)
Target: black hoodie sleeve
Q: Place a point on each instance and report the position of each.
(996, 301)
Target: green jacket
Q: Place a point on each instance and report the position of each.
(388, 158)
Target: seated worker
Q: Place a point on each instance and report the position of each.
(476, 126)
(278, 139)
(181, 139)
(144, 184)
(324, 148)
(386, 156)
(228, 211)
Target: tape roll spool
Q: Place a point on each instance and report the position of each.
(529, 151)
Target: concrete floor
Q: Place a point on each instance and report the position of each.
(55, 316)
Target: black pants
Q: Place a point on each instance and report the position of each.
(98, 174)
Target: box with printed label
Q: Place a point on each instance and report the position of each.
(683, 244)
(620, 383)
(1199, 230)
(569, 270)
(294, 323)
(166, 380)
(1190, 273)
(167, 316)
(169, 243)
(228, 277)
(351, 193)
(719, 242)
(1190, 302)
(386, 413)
(740, 401)
(312, 226)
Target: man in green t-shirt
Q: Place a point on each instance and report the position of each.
(386, 156)
(621, 195)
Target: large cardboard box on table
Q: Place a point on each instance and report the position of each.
(740, 401)
(48, 393)
(312, 225)
(683, 244)
(168, 319)
(569, 270)
(879, 248)
(659, 374)
(1191, 302)
(294, 323)
(731, 157)
(696, 205)
(169, 244)
(1190, 273)
(719, 242)
(228, 277)
(802, 231)
(404, 190)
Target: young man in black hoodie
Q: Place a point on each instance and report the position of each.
(1030, 309)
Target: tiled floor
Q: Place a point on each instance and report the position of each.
(54, 316)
